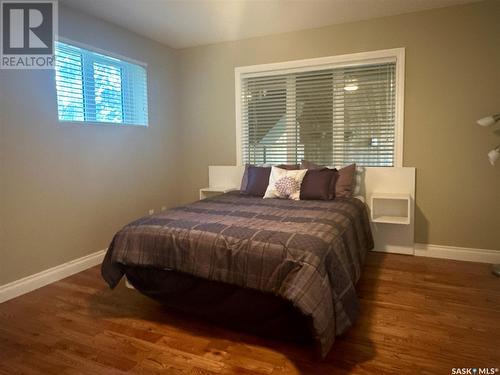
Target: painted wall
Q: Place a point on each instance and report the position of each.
(65, 189)
(452, 79)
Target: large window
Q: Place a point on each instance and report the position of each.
(332, 111)
(96, 88)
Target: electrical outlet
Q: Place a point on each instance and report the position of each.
(163, 208)
(151, 211)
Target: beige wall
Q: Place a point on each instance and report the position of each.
(452, 79)
(65, 188)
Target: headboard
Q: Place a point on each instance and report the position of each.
(383, 185)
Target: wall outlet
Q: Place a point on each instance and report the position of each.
(151, 211)
(163, 208)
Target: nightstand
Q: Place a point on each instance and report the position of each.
(390, 208)
(213, 191)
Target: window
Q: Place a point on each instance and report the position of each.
(332, 111)
(92, 87)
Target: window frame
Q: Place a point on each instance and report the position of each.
(125, 82)
(396, 55)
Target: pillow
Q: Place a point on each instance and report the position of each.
(244, 179)
(306, 164)
(289, 167)
(257, 180)
(318, 184)
(285, 183)
(346, 181)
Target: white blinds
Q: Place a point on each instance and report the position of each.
(92, 87)
(330, 116)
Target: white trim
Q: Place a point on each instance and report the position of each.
(38, 280)
(237, 93)
(457, 253)
(101, 51)
(353, 59)
(400, 108)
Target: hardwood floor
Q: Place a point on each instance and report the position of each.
(418, 316)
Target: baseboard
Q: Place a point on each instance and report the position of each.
(38, 280)
(457, 253)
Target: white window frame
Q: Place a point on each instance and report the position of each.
(125, 82)
(396, 55)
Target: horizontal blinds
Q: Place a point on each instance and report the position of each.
(330, 116)
(93, 87)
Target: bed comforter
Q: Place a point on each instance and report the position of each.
(308, 252)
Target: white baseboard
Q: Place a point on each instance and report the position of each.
(457, 253)
(38, 280)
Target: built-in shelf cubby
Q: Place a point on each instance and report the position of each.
(390, 208)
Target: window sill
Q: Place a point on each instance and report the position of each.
(106, 124)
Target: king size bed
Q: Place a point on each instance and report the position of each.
(288, 265)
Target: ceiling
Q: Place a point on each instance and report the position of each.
(187, 23)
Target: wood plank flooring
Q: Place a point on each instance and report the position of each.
(418, 316)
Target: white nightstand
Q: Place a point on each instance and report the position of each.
(213, 191)
(390, 208)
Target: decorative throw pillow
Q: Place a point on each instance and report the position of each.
(346, 182)
(285, 183)
(319, 184)
(257, 180)
(244, 179)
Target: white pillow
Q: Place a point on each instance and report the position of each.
(285, 183)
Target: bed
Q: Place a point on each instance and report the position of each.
(281, 263)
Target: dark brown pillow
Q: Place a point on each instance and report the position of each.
(346, 181)
(289, 167)
(317, 184)
(258, 180)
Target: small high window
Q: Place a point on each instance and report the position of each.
(96, 88)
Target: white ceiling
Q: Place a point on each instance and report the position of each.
(187, 23)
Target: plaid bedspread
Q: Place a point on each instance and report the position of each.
(308, 252)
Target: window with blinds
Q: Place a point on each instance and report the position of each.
(92, 87)
(331, 116)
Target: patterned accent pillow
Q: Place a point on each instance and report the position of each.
(285, 183)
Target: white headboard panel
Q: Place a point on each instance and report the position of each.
(225, 176)
(374, 181)
(391, 238)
